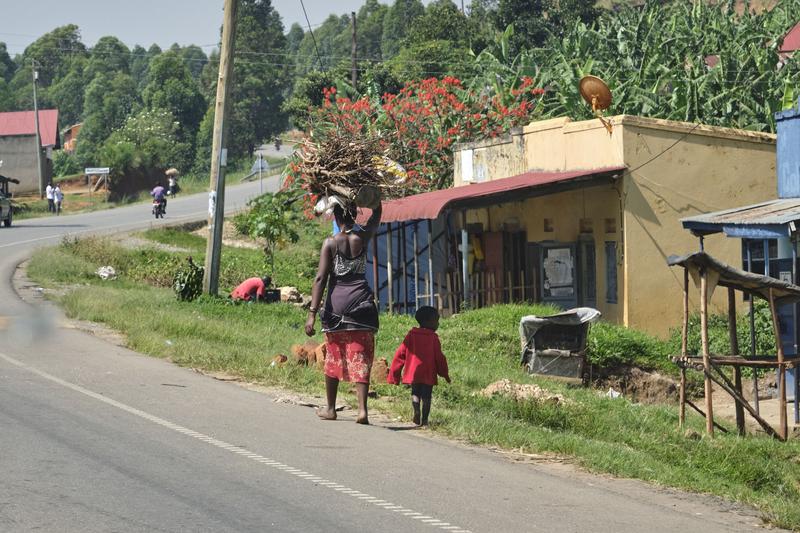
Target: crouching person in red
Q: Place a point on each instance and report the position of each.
(252, 289)
(422, 358)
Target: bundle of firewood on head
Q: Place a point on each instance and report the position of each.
(349, 170)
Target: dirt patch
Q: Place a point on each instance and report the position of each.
(135, 243)
(520, 392)
(641, 386)
(230, 237)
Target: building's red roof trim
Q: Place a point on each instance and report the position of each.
(429, 205)
(23, 123)
(791, 41)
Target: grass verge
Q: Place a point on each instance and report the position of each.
(603, 435)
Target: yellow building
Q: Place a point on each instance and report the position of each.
(568, 213)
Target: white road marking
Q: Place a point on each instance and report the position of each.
(380, 504)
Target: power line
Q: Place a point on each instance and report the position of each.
(312, 33)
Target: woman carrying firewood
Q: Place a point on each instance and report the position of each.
(349, 317)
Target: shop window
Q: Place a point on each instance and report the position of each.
(548, 225)
(611, 272)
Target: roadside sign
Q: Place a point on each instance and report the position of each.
(96, 170)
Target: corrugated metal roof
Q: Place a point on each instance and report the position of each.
(24, 123)
(429, 205)
(781, 211)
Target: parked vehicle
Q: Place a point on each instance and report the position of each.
(6, 210)
(158, 208)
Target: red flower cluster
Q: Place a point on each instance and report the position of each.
(422, 122)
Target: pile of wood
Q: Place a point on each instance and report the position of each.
(357, 169)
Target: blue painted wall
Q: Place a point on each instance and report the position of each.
(788, 152)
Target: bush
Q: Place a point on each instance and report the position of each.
(188, 281)
(65, 164)
(718, 336)
(612, 346)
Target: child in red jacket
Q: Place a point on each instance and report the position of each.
(421, 355)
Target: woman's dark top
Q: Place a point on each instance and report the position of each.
(350, 304)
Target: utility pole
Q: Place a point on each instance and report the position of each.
(216, 198)
(353, 52)
(35, 74)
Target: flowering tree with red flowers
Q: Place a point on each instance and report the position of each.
(419, 125)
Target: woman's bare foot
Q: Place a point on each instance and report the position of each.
(326, 413)
(362, 419)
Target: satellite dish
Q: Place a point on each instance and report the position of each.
(598, 95)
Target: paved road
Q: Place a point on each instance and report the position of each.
(94, 437)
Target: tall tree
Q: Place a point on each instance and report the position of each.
(7, 65)
(536, 20)
(396, 24)
(107, 57)
(294, 38)
(67, 93)
(328, 45)
(107, 104)
(261, 76)
(370, 29)
(170, 86)
(52, 52)
(195, 59)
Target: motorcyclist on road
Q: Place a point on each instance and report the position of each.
(159, 194)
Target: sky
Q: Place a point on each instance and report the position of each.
(144, 22)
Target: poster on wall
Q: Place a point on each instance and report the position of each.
(558, 273)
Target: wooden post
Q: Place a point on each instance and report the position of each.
(389, 273)
(439, 293)
(375, 281)
(404, 266)
(220, 133)
(752, 314)
(706, 355)
(465, 257)
(684, 348)
(416, 266)
(510, 288)
(784, 428)
(430, 260)
(451, 300)
(353, 52)
(737, 372)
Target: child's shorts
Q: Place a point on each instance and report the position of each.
(422, 391)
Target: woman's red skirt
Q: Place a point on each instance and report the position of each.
(349, 355)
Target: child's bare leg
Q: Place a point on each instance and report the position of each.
(426, 409)
(331, 388)
(415, 405)
(362, 389)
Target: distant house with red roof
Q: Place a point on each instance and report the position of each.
(790, 42)
(18, 146)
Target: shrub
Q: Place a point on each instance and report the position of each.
(65, 163)
(718, 336)
(188, 281)
(611, 346)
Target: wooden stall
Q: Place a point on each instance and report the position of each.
(708, 274)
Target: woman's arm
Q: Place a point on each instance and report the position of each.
(320, 281)
(374, 220)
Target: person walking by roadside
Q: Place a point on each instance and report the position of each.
(58, 199)
(349, 317)
(421, 356)
(48, 193)
(172, 186)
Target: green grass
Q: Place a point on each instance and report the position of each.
(482, 346)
